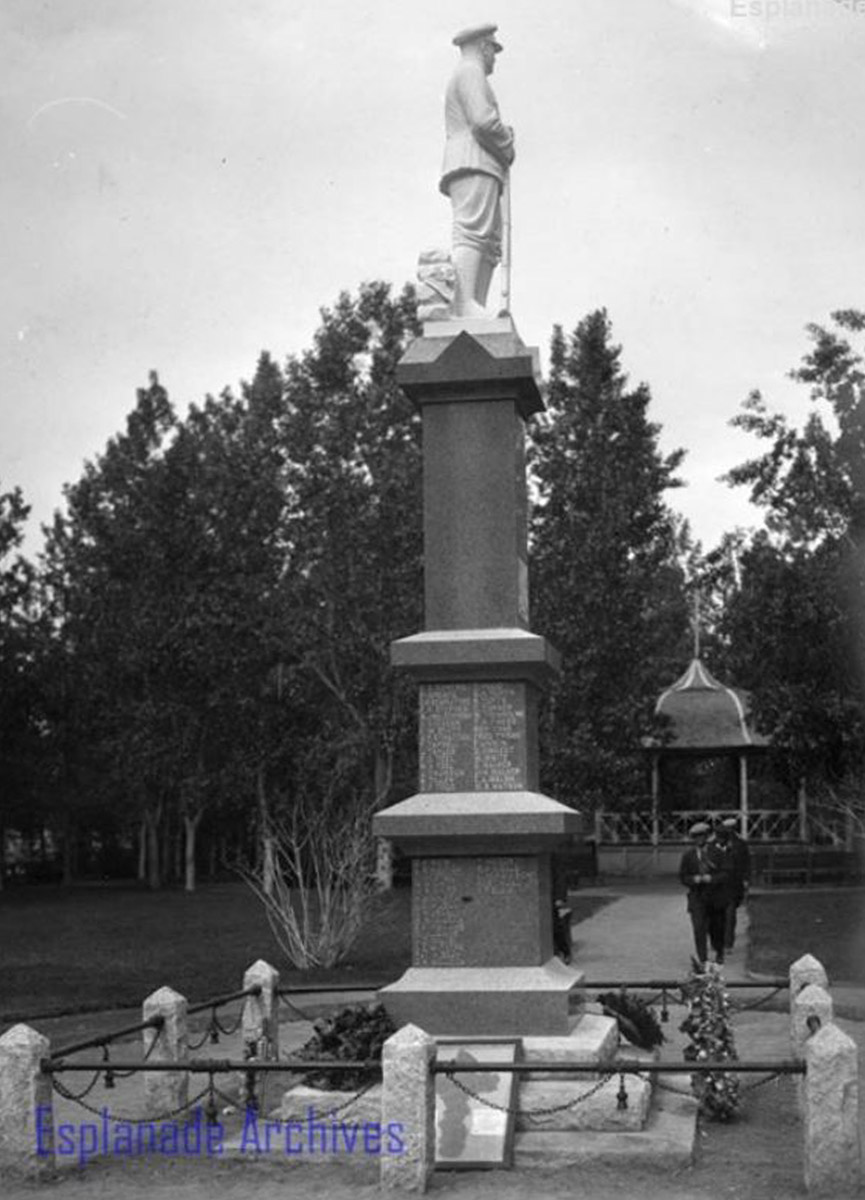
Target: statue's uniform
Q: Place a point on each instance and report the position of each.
(478, 151)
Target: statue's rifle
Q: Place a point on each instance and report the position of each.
(506, 244)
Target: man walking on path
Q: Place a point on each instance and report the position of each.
(738, 859)
(704, 872)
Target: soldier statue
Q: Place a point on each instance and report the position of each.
(478, 153)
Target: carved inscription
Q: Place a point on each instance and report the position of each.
(500, 721)
(472, 737)
(478, 911)
(439, 924)
(505, 877)
(446, 737)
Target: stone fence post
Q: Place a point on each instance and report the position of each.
(408, 1106)
(26, 1107)
(165, 1091)
(261, 1013)
(831, 1116)
(803, 971)
(811, 1009)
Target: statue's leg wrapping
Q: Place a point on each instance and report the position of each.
(476, 204)
(467, 266)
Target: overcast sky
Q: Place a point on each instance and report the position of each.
(189, 181)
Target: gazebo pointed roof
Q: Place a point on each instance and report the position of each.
(705, 714)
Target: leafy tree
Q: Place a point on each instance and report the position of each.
(793, 624)
(169, 561)
(811, 482)
(607, 585)
(18, 700)
(352, 443)
(110, 572)
(352, 584)
(225, 587)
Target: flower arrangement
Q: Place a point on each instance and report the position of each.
(636, 1020)
(709, 1027)
(356, 1033)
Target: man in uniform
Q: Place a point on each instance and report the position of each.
(478, 153)
(704, 873)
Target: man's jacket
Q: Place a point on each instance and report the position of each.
(706, 860)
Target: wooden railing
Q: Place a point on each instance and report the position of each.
(646, 828)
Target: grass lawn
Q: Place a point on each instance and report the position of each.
(828, 924)
(80, 949)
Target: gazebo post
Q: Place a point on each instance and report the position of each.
(656, 838)
(743, 795)
(803, 812)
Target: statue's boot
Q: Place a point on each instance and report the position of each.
(468, 264)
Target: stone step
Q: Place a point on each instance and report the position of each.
(593, 1039)
(666, 1142)
(598, 1111)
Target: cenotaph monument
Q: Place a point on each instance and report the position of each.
(478, 832)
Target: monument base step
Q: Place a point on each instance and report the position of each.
(666, 1142)
(592, 1039)
(485, 1001)
(590, 1106)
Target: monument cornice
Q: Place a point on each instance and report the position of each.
(520, 822)
(455, 655)
(472, 361)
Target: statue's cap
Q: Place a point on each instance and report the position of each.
(729, 823)
(700, 827)
(474, 33)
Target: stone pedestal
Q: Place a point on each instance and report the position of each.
(479, 833)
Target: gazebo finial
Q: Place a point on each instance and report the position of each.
(695, 623)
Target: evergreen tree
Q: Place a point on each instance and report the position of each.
(607, 587)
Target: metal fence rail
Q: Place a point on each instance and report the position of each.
(105, 1039)
(654, 985)
(214, 1066)
(307, 989)
(628, 1066)
(218, 1002)
(217, 1066)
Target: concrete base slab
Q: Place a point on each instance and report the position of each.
(593, 1107)
(667, 1142)
(298, 1102)
(593, 1039)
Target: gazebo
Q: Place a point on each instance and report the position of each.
(700, 769)
(708, 723)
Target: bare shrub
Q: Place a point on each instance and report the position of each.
(317, 880)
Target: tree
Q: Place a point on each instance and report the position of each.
(169, 564)
(110, 568)
(811, 482)
(607, 586)
(793, 624)
(225, 586)
(18, 708)
(354, 528)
